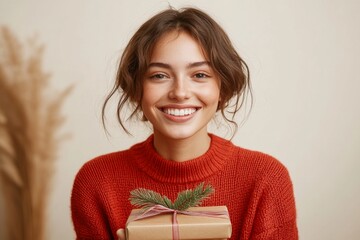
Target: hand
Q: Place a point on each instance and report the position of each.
(121, 234)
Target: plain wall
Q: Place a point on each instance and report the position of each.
(304, 58)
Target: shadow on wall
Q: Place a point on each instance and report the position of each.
(30, 119)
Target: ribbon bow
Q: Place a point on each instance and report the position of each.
(159, 209)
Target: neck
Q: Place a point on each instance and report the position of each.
(181, 150)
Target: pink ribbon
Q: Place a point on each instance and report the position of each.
(159, 209)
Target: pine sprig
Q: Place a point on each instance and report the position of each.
(145, 198)
(192, 198)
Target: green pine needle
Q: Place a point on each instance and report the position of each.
(192, 198)
(145, 198)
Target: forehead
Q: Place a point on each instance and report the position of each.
(177, 45)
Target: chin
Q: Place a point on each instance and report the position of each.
(181, 134)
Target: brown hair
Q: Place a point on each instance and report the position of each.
(232, 71)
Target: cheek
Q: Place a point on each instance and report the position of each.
(151, 95)
(210, 94)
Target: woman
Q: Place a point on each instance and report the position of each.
(177, 71)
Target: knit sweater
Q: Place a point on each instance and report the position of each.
(255, 187)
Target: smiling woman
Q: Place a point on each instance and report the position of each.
(181, 94)
(178, 70)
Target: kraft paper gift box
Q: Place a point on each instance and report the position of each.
(160, 227)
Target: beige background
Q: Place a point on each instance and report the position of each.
(304, 58)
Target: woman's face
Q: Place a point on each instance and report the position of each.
(180, 89)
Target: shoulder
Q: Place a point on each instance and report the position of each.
(110, 164)
(247, 162)
(265, 161)
(263, 165)
(103, 162)
(96, 170)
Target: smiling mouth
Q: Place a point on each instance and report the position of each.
(179, 112)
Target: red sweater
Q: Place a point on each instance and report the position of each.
(254, 186)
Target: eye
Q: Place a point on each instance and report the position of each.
(201, 75)
(158, 76)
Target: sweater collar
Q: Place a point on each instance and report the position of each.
(197, 169)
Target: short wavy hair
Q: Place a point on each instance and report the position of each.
(231, 69)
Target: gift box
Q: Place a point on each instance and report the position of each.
(189, 227)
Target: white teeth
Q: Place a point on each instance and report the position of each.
(179, 112)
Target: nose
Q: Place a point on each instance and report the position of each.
(180, 90)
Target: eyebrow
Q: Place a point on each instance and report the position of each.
(168, 66)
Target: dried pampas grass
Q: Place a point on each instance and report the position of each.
(29, 136)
